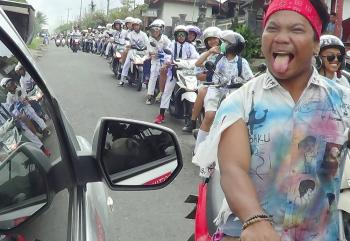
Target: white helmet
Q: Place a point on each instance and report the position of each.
(128, 20)
(137, 21)
(18, 66)
(235, 40)
(109, 26)
(4, 81)
(180, 28)
(157, 23)
(211, 32)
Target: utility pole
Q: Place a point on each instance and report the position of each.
(81, 6)
(68, 16)
(107, 8)
(92, 6)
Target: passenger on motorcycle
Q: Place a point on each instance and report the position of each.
(181, 50)
(138, 38)
(117, 35)
(20, 107)
(162, 42)
(230, 68)
(211, 37)
(332, 59)
(194, 33)
(75, 32)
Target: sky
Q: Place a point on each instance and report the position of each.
(57, 10)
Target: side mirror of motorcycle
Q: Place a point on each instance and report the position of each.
(210, 66)
(153, 44)
(262, 67)
(167, 51)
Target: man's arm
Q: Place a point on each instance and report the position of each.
(234, 161)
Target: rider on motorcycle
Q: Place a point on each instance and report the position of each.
(117, 33)
(138, 38)
(181, 50)
(194, 33)
(332, 59)
(162, 42)
(211, 37)
(233, 68)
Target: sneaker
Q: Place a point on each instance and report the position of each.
(188, 128)
(159, 96)
(159, 119)
(46, 151)
(121, 84)
(46, 132)
(149, 101)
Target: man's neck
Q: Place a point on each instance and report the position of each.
(297, 84)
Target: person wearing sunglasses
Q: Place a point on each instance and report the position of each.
(331, 59)
(180, 50)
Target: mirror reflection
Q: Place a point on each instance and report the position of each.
(131, 150)
(22, 190)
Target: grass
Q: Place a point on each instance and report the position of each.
(35, 44)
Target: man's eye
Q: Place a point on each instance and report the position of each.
(298, 30)
(271, 28)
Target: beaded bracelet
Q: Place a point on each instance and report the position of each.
(255, 219)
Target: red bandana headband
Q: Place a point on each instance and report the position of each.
(303, 7)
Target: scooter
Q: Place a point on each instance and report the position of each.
(75, 44)
(115, 64)
(135, 75)
(58, 42)
(185, 91)
(63, 42)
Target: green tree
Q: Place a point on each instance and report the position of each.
(39, 21)
(20, 1)
(253, 44)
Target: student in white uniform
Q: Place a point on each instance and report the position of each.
(331, 59)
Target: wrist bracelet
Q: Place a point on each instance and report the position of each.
(255, 220)
(258, 216)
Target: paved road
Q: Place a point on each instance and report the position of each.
(87, 90)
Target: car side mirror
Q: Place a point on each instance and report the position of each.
(136, 155)
(24, 186)
(210, 66)
(262, 67)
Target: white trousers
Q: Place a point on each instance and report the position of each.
(109, 46)
(30, 136)
(155, 68)
(127, 64)
(168, 90)
(30, 112)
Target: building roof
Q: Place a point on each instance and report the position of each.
(209, 2)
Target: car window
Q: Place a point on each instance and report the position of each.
(26, 118)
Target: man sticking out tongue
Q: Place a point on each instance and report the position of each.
(275, 137)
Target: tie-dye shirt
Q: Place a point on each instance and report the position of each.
(296, 164)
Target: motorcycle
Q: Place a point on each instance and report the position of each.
(75, 44)
(58, 42)
(63, 42)
(115, 64)
(185, 92)
(135, 75)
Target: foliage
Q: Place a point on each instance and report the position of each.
(20, 1)
(97, 18)
(39, 21)
(35, 44)
(253, 45)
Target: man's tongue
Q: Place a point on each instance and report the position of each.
(281, 63)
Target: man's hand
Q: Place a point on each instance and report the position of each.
(214, 50)
(260, 231)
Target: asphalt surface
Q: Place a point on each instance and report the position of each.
(87, 90)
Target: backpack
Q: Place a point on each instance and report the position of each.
(239, 67)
